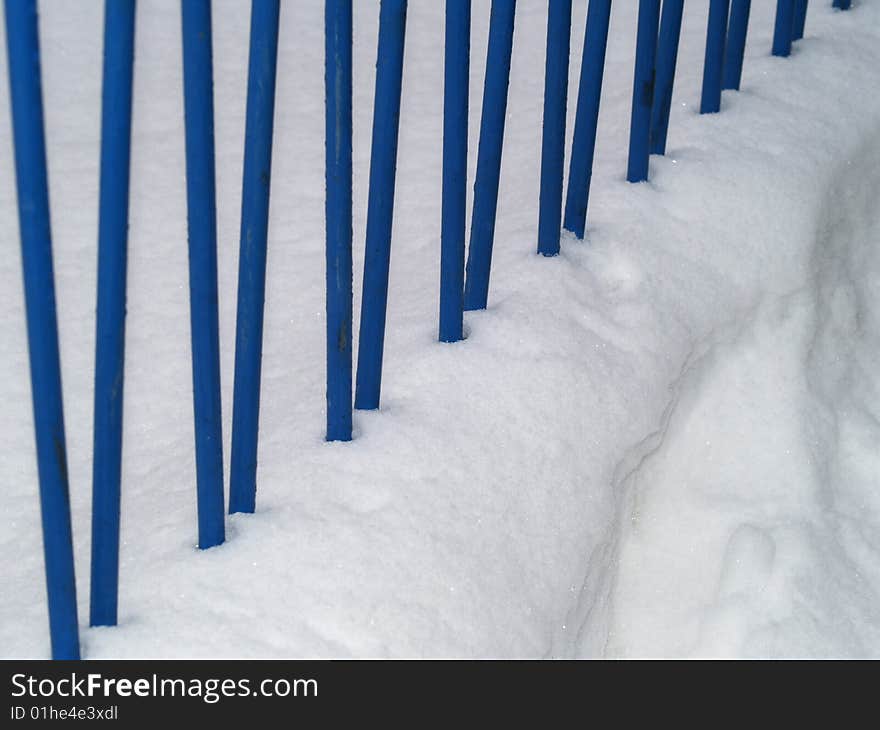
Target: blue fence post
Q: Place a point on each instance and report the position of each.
(783, 27)
(23, 48)
(338, 95)
(252, 257)
(380, 204)
(800, 19)
(583, 144)
(202, 226)
(737, 31)
(842, 4)
(119, 22)
(716, 38)
(455, 144)
(493, 115)
(643, 91)
(667, 56)
(553, 140)
(338, 134)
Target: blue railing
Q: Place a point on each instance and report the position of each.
(464, 284)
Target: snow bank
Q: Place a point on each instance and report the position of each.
(661, 442)
(752, 513)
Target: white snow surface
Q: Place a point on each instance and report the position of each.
(663, 442)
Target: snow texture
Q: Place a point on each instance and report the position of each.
(663, 442)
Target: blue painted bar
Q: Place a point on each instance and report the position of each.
(455, 146)
(119, 21)
(553, 141)
(583, 145)
(338, 94)
(716, 39)
(737, 30)
(380, 204)
(783, 27)
(252, 257)
(23, 48)
(667, 57)
(643, 91)
(494, 113)
(198, 100)
(800, 19)
(842, 4)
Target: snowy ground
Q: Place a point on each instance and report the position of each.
(663, 442)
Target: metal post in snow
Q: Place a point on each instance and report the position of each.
(800, 19)
(338, 95)
(553, 140)
(716, 37)
(667, 56)
(783, 27)
(455, 144)
(643, 91)
(119, 24)
(380, 204)
(583, 143)
(737, 30)
(202, 226)
(252, 257)
(23, 49)
(493, 115)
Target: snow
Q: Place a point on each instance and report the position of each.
(663, 442)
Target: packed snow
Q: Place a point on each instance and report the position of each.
(663, 442)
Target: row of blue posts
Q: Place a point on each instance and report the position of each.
(656, 53)
(464, 280)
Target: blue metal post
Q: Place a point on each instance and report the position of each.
(380, 206)
(583, 143)
(667, 57)
(23, 48)
(119, 17)
(553, 143)
(643, 91)
(716, 38)
(202, 224)
(800, 19)
(338, 93)
(737, 30)
(783, 27)
(252, 257)
(494, 113)
(455, 146)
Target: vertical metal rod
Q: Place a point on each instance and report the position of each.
(553, 140)
(800, 19)
(380, 204)
(493, 115)
(667, 56)
(586, 119)
(252, 257)
(338, 99)
(455, 145)
(737, 31)
(23, 48)
(198, 96)
(643, 91)
(716, 38)
(119, 25)
(783, 27)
